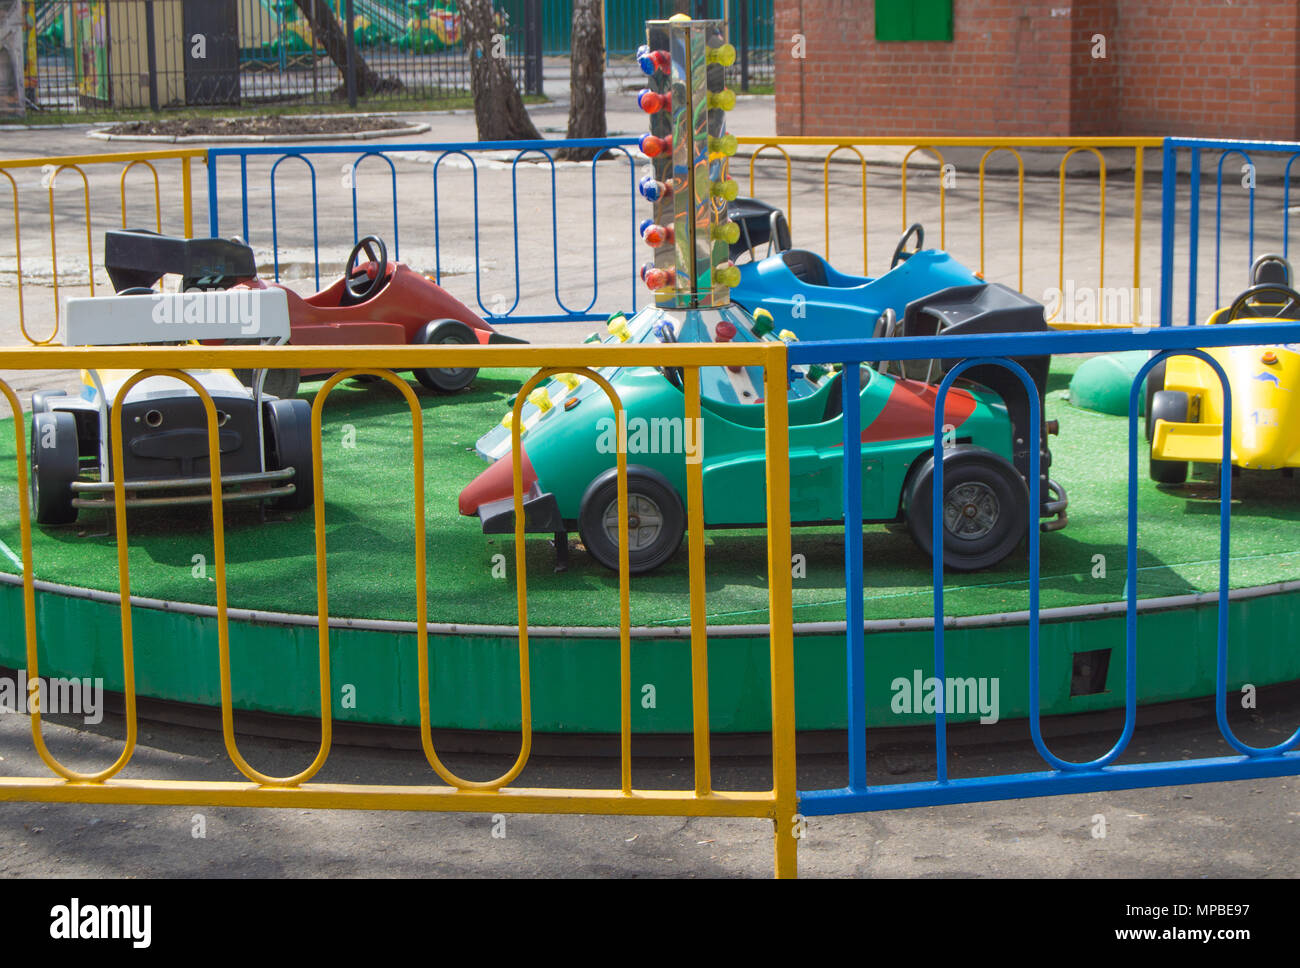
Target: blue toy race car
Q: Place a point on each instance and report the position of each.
(807, 296)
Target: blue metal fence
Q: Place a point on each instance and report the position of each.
(1250, 153)
(568, 309)
(1104, 772)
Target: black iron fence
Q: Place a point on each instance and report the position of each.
(116, 56)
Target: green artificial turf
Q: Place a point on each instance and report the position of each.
(369, 513)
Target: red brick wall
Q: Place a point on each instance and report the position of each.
(1026, 67)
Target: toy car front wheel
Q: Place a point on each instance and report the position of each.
(656, 519)
(54, 466)
(985, 509)
(446, 332)
(1168, 405)
(287, 433)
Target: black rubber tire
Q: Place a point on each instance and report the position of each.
(449, 332)
(643, 485)
(1155, 383)
(1003, 491)
(54, 466)
(287, 437)
(1171, 405)
(41, 399)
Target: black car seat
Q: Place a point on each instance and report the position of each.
(807, 267)
(760, 224)
(1272, 269)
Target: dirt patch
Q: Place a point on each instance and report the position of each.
(274, 125)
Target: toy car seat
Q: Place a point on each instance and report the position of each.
(807, 267)
(760, 223)
(1272, 269)
(988, 308)
(137, 258)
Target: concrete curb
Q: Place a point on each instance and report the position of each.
(261, 138)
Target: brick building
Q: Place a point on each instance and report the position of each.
(1209, 68)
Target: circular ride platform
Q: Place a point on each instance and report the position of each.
(573, 615)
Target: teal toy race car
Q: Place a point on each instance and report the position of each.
(569, 449)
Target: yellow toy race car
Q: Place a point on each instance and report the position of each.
(1185, 401)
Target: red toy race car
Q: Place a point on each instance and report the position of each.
(375, 302)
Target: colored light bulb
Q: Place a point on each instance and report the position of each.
(570, 380)
(725, 331)
(724, 100)
(540, 399)
(653, 146)
(508, 420)
(617, 326)
(787, 336)
(657, 278)
(727, 188)
(661, 60)
(726, 275)
(726, 145)
(816, 372)
(728, 232)
(657, 235)
(652, 101)
(652, 190)
(724, 55)
(763, 323)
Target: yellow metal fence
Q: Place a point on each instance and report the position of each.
(808, 150)
(33, 176)
(777, 805)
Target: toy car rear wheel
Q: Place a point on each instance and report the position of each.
(1171, 405)
(287, 437)
(985, 509)
(54, 466)
(446, 332)
(656, 519)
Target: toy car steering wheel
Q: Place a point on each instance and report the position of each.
(358, 292)
(1290, 302)
(901, 252)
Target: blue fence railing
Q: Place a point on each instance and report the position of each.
(1062, 776)
(1246, 156)
(391, 209)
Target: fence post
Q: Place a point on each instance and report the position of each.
(533, 46)
(151, 55)
(1168, 200)
(352, 55)
(744, 45)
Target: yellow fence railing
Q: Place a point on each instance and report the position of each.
(777, 805)
(44, 177)
(1124, 311)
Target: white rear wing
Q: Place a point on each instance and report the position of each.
(165, 317)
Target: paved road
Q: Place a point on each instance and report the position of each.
(1246, 829)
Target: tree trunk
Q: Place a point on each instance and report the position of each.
(334, 38)
(586, 78)
(498, 109)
